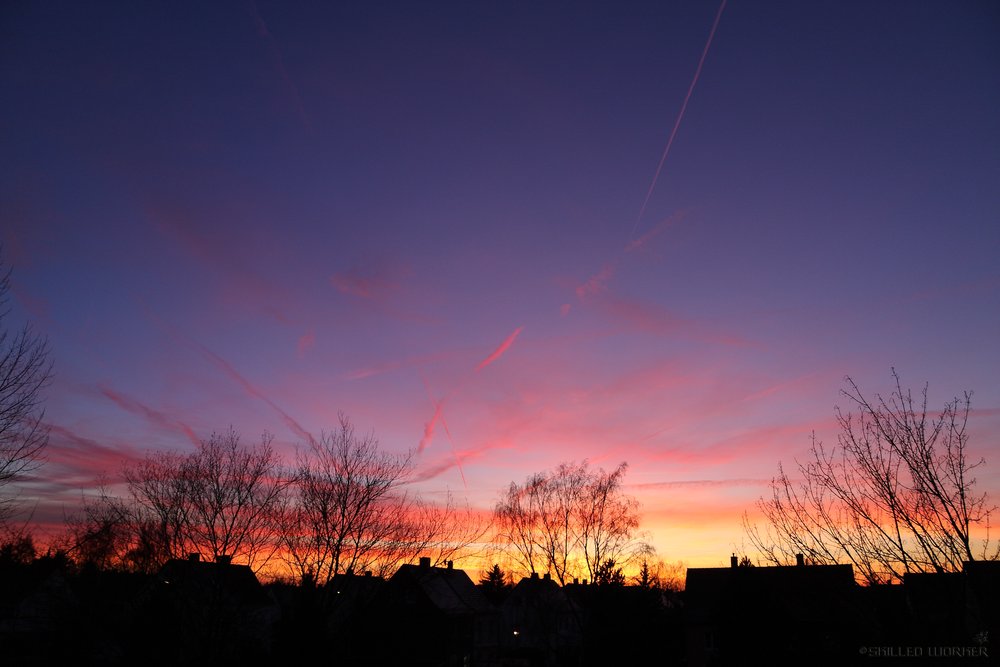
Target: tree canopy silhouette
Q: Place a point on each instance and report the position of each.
(896, 494)
(223, 499)
(570, 521)
(350, 512)
(25, 370)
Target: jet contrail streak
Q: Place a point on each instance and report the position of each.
(680, 116)
(429, 430)
(497, 353)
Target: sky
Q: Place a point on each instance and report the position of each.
(458, 224)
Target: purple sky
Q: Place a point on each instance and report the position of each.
(425, 215)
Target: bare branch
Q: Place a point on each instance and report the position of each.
(895, 495)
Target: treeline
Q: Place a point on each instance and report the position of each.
(344, 505)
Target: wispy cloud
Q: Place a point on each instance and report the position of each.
(306, 341)
(429, 427)
(250, 389)
(389, 366)
(654, 231)
(497, 353)
(655, 319)
(364, 284)
(700, 483)
(243, 280)
(83, 462)
(279, 63)
(598, 282)
(154, 417)
(443, 465)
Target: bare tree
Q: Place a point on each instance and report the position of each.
(101, 532)
(517, 517)
(25, 370)
(350, 512)
(895, 495)
(562, 499)
(441, 532)
(609, 521)
(571, 520)
(347, 503)
(224, 499)
(114, 534)
(158, 501)
(235, 495)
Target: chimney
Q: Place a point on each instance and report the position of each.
(733, 561)
(368, 573)
(223, 559)
(576, 580)
(534, 575)
(547, 576)
(194, 557)
(451, 565)
(800, 560)
(425, 562)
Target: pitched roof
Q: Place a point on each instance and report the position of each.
(450, 590)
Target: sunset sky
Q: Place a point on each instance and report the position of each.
(440, 218)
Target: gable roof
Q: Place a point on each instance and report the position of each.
(450, 590)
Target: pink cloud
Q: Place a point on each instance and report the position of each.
(85, 461)
(564, 309)
(389, 366)
(306, 342)
(444, 465)
(597, 283)
(497, 353)
(242, 280)
(700, 483)
(429, 428)
(655, 231)
(655, 319)
(154, 417)
(752, 444)
(798, 383)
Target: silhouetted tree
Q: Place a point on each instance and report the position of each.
(25, 370)
(113, 534)
(17, 546)
(645, 579)
(895, 495)
(101, 532)
(495, 583)
(222, 499)
(349, 512)
(441, 532)
(661, 576)
(608, 574)
(345, 503)
(609, 520)
(569, 520)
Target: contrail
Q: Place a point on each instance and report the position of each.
(497, 353)
(680, 116)
(279, 62)
(429, 430)
(153, 416)
(228, 369)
